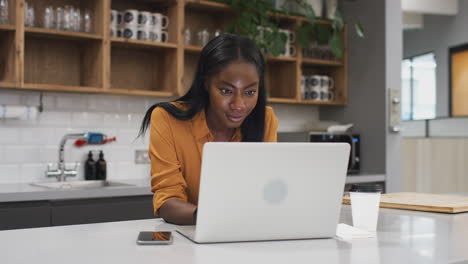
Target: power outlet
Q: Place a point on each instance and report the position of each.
(141, 156)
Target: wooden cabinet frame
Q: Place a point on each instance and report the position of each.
(52, 60)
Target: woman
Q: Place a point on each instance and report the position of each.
(226, 102)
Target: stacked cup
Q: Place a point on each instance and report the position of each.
(317, 87)
(142, 25)
(289, 48)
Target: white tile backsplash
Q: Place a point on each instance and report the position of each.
(37, 136)
(33, 172)
(10, 173)
(9, 135)
(9, 98)
(27, 146)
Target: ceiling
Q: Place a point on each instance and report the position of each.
(414, 11)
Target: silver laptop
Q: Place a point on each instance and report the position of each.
(269, 191)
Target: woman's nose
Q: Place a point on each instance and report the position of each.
(238, 103)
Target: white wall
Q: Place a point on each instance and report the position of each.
(26, 146)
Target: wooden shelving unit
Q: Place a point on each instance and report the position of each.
(36, 58)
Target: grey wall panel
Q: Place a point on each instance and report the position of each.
(366, 83)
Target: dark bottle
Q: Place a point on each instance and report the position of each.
(101, 167)
(90, 167)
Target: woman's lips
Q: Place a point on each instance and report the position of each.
(234, 118)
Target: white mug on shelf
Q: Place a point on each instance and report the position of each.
(114, 18)
(326, 88)
(313, 85)
(145, 18)
(144, 33)
(159, 21)
(159, 36)
(291, 35)
(130, 17)
(130, 32)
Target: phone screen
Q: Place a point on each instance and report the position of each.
(149, 237)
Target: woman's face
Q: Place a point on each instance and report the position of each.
(233, 94)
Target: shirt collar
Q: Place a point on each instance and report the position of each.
(201, 130)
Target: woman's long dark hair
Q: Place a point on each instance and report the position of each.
(216, 55)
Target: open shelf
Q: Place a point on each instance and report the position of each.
(340, 83)
(96, 8)
(139, 70)
(123, 42)
(7, 58)
(281, 80)
(63, 62)
(53, 33)
(165, 7)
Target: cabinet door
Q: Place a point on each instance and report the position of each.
(14, 215)
(101, 210)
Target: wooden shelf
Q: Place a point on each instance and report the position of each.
(281, 58)
(123, 42)
(282, 100)
(208, 6)
(52, 33)
(309, 61)
(315, 102)
(7, 84)
(63, 88)
(192, 48)
(138, 92)
(7, 28)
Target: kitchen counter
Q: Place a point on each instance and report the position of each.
(403, 237)
(26, 192)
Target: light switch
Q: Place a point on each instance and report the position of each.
(141, 156)
(394, 111)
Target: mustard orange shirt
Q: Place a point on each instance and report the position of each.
(175, 151)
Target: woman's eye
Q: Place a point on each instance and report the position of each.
(225, 91)
(251, 92)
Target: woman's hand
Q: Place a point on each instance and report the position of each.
(178, 212)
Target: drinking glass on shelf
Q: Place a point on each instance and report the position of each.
(76, 15)
(187, 36)
(59, 18)
(49, 17)
(29, 16)
(3, 11)
(67, 18)
(87, 21)
(203, 37)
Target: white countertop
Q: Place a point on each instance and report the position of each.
(17, 192)
(403, 237)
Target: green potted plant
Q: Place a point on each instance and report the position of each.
(259, 19)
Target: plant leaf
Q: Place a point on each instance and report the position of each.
(336, 45)
(338, 21)
(359, 29)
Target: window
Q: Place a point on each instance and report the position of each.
(418, 88)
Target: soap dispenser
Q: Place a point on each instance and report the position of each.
(90, 167)
(101, 167)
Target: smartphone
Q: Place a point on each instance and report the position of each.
(154, 238)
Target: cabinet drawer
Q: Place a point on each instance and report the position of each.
(101, 210)
(16, 215)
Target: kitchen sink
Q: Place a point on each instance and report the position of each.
(80, 184)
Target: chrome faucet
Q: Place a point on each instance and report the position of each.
(61, 173)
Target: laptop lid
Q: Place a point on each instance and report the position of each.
(270, 191)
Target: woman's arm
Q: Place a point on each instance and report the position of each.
(178, 212)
